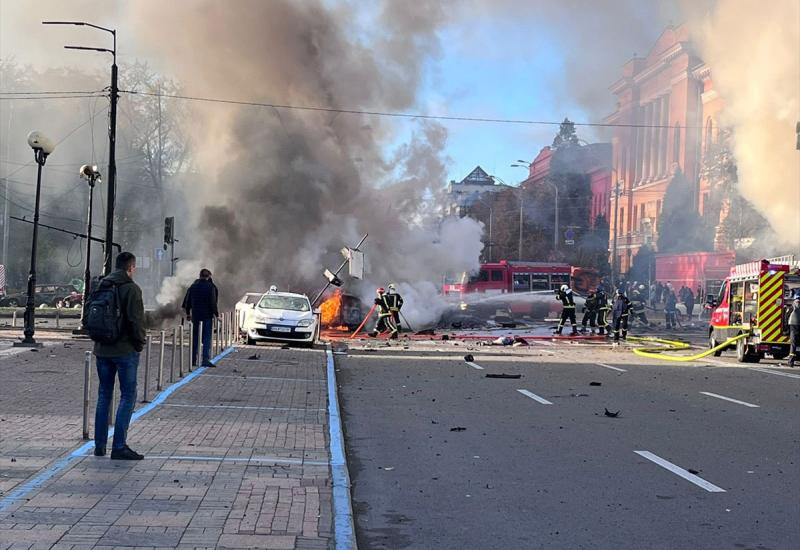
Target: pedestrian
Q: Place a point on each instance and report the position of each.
(590, 308)
(794, 330)
(395, 303)
(688, 300)
(602, 311)
(567, 310)
(620, 312)
(385, 316)
(670, 309)
(200, 305)
(117, 349)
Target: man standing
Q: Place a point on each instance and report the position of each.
(620, 312)
(589, 312)
(568, 309)
(794, 331)
(688, 300)
(200, 304)
(602, 311)
(385, 317)
(117, 355)
(670, 309)
(395, 303)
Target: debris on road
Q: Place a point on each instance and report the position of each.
(595, 383)
(612, 414)
(426, 332)
(458, 429)
(503, 375)
(254, 357)
(469, 358)
(691, 471)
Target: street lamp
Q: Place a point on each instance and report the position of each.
(526, 164)
(112, 134)
(92, 176)
(42, 147)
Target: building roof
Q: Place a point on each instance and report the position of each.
(477, 177)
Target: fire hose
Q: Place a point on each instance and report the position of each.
(364, 322)
(673, 345)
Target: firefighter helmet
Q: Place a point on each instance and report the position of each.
(273, 288)
(391, 287)
(380, 290)
(619, 292)
(564, 288)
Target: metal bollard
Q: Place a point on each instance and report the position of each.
(58, 317)
(180, 353)
(172, 356)
(14, 319)
(199, 344)
(87, 381)
(160, 380)
(147, 367)
(225, 324)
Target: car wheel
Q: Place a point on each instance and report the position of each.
(742, 353)
(712, 343)
(250, 341)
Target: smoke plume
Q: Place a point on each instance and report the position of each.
(752, 49)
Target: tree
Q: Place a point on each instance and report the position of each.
(566, 136)
(643, 267)
(593, 247)
(680, 229)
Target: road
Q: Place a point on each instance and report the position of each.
(548, 469)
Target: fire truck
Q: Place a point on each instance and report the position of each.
(754, 301)
(506, 277)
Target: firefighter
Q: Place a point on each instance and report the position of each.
(273, 289)
(395, 302)
(620, 313)
(637, 305)
(568, 310)
(590, 312)
(671, 309)
(602, 311)
(794, 330)
(385, 317)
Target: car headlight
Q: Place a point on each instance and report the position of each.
(305, 323)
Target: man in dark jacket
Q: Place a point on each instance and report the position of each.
(590, 312)
(564, 294)
(120, 358)
(620, 312)
(670, 309)
(200, 304)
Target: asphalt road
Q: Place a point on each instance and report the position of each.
(523, 474)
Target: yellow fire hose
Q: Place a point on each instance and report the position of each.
(672, 345)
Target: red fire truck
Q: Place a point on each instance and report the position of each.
(753, 300)
(504, 277)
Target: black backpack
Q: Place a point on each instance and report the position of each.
(104, 319)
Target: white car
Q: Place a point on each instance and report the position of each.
(244, 307)
(282, 317)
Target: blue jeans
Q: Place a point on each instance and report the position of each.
(107, 369)
(208, 325)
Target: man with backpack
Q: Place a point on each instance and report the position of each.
(115, 321)
(200, 304)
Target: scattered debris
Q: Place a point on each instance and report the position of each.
(254, 357)
(286, 346)
(426, 332)
(388, 468)
(35, 350)
(503, 375)
(458, 429)
(503, 341)
(13, 459)
(469, 358)
(434, 422)
(595, 383)
(691, 471)
(612, 414)
(445, 337)
(519, 341)
(580, 395)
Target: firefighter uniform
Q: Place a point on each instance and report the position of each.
(395, 303)
(385, 317)
(568, 309)
(670, 310)
(620, 313)
(602, 312)
(590, 312)
(637, 305)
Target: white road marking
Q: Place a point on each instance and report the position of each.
(677, 470)
(474, 365)
(786, 374)
(729, 399)
(189, 406)
(610, 367)
(535, 397)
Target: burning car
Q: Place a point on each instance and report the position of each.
(341, 311)
(281, 317)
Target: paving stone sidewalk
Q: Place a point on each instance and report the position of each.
(236, 458)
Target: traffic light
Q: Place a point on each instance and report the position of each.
(169, 231)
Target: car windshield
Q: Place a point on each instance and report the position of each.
(290, 303)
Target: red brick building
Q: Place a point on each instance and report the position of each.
(668, 112)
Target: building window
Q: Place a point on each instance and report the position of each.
(676, 147)
(497, 275)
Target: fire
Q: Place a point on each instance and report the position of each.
(331, 308)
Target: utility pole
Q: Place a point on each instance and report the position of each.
(519, 251)
(112, 134)
(616, 231)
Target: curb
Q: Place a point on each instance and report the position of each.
(344, 535)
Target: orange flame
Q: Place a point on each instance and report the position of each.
(331, 308)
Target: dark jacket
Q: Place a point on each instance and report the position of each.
(566, 299)
(591, 303)
(133, 332)
(200, 301)
(621, 306)
(671, 303)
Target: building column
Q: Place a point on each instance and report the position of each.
(664, 135)
(637, 147)
(654, 151)
(645, 151)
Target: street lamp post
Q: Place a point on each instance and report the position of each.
(616, 232)
(90, 173)
(112, 134)
(519, 247)
(42, 147)
(526, 164)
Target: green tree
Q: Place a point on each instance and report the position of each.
(680, 228)
(566, 136)
(643, 267)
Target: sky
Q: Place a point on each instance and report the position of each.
(533, 60)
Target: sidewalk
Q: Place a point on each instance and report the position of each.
(236, 457)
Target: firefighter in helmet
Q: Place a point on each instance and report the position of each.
(590, 313)
(385, 317)
(602, 311)
(637, 304)
(620, 311)
(273, 288)
(395, 302)
(568, 309)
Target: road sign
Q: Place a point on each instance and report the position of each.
(569, 242)
(159, 254)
